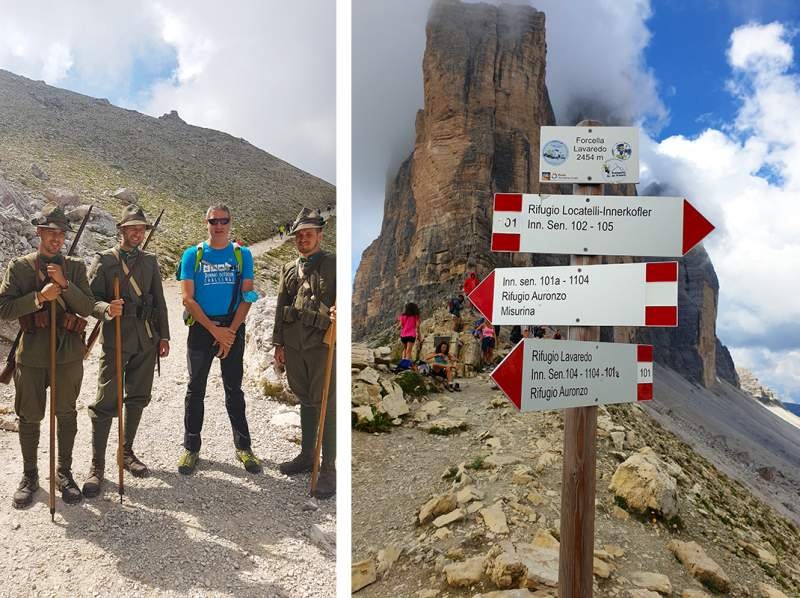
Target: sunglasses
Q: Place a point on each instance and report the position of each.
(215, 221)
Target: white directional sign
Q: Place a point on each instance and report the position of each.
(589, 155)
(596, 225)
(644, 294)
(539, 375)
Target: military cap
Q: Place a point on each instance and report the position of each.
(307, 219)
(52, 216)
(133, 215)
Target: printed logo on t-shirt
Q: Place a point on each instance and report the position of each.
(214, 274)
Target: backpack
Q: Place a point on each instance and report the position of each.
(237, 253)
(454, 306)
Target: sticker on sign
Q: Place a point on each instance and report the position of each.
(539, 375)
(643, 294)
(589, 155)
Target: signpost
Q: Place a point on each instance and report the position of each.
(596, 225)
(589, 154)
(539, 375)
(643, 294)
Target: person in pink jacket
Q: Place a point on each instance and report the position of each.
(409, 328)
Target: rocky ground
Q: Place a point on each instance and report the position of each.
(219, 532)
(476, 510)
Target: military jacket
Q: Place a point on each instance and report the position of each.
(305, 295)
(17, 298)
(145, 320)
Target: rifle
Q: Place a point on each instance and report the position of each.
(11, 360)
(97, 326)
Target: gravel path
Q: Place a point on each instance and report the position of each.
(219, 532)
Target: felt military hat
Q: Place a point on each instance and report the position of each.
(133, 215)
(52, 216)
(307, 218)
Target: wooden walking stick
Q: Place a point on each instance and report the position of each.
(53, 410)
(118, 364)
(330, 340)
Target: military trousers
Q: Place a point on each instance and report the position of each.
(30, 401)
(305, 371)
(137, 381)
(200, 354)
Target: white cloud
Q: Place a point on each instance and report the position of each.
(746, 178)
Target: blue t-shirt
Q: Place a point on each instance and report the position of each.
(216, 276)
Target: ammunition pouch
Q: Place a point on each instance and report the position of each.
(306, 317)
(41, 319)
(141, 312)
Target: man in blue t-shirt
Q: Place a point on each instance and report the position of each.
(217, 288)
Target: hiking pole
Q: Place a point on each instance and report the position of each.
(118, 363)
(330, 340)
(53, 410)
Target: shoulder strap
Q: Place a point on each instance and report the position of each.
(237, 253)
(198, 257)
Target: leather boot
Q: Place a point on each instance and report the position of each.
(70, 493)
(131, 463)
(308, 428)
(94, 483)
(326, 482)
(26, 489)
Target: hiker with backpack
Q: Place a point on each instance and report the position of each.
(217, 284)
(454, 307)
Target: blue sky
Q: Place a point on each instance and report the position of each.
(714, 87)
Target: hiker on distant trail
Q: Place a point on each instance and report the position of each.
(516, 334)
(306, 307)
(30, 283)
(409, 328)
(470, 282)
(281, 230)
(443, 364)
(454, 307)
(145, 336)
(557, 335)
(217, 284)
(488, 342)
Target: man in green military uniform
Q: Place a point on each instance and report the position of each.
(30, 283)
(145, 335)
(306, 306)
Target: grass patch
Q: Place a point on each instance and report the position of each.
(412, 383)
(437, 431)
(380, 422)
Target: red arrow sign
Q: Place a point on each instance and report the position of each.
(642, 294)
(596, 225)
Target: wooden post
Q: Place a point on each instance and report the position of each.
(578, 477)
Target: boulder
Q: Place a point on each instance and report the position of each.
(393, 405)
(643, 482)
(39, 173)
(449, 518)
(767, 591)
(438, 505)
(361, 356)
(363, 414)
(126, 195)
(693, 593)
(506, 568)
(365, 394)
(363, 573)
(62, 197)
(387, 557)
(700, 565)
(466, 573)
(495, 518)
(652, 581)
(369, 375)
(764, 555)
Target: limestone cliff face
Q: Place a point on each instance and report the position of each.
(478, 134)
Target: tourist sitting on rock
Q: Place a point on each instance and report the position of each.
(443, 365)
(409, 328)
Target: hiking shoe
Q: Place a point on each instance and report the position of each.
(93, 483)
(457, 387)
(25, 491)
(300, 464)
(70, 493)
(326, 483)
(131, 463)
(251, 463)
(188, 462)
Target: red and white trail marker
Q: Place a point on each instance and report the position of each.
(644, 294)
(539, 375)
(596, 225)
